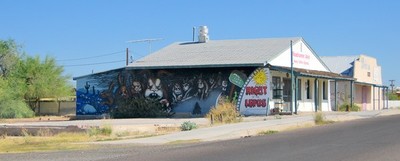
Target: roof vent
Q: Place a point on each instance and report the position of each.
(203, 34)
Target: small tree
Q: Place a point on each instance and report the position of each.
(393, 96)
(12, 104)
(41, 79)
(9, 56)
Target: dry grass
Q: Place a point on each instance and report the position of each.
(62, 141)
(224, 113)
(319, 119)
(184, 141)
(267, 132)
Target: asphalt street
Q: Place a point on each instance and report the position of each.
(358, 140)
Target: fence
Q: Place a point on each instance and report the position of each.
(63, 107)
(394, 104)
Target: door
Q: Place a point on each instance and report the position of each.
(287, 93)
(364, 98)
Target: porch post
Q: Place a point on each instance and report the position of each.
(373, 92)
(379, 98)
(296, 94)
(336, 106)
(292, 82)
(387, 98)
(316, 94)
(351, 93)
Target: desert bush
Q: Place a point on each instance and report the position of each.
(319, 119)
(104, 131)
(15, 109)
(268, 132)
(187, 126)
(224, 112)
(143, 108)
(343, 107)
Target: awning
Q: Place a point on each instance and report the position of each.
(312, 73)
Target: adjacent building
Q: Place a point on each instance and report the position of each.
(369, 93)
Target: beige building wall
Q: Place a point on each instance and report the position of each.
(368, 72)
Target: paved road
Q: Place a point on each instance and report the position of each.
(358, 140)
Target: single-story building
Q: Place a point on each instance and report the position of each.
(369, 93)
(192, 77)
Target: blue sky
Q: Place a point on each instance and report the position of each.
(72, 29)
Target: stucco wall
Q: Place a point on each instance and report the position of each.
(366, 69)
(394, 104)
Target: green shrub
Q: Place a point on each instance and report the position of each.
(343, 107)
(187, 126)
(15, 109)
(393, 96)
(224, 112)
(268, 132)
(143, 108)
(319, 118)
(104, 131)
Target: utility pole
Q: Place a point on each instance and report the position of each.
(392, 85)
(127, 55)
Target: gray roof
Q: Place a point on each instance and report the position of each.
(340, 64)
(216, 53)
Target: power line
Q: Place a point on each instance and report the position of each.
(74, 65)
(114, 53)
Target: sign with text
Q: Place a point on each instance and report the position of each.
(253, 98)
(301, 58)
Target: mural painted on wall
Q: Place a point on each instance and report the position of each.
(189, 91)
(255, 94)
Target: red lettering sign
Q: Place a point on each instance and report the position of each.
(256, 90)
(250, 103)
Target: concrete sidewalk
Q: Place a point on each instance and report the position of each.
(251, 126)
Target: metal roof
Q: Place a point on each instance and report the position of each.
(340, 64)
(216, 53)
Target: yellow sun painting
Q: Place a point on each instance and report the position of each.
(260, 77)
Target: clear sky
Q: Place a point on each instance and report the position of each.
(98, 31)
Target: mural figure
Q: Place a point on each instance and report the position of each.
(136, 90)
(202, 88)
(122, 90)
(154, 89)
(107, 95)
(177, 93)
(188, 91)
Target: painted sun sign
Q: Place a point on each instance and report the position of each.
(254, 96)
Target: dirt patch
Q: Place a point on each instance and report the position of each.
(36, 119)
